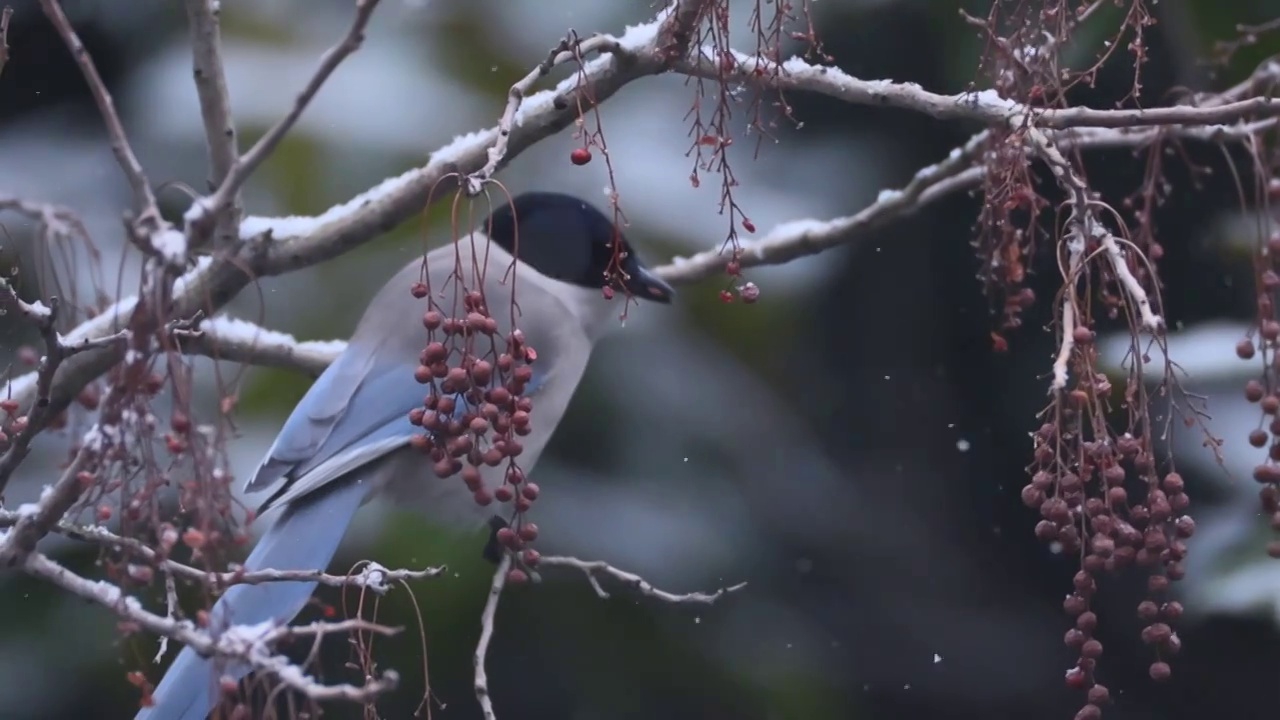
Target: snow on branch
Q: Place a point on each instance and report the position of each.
(272, 246)
(253, 645)
(986, 106)
(235, 340)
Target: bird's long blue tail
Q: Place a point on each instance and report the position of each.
(304, 537)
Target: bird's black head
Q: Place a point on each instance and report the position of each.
(568, 240)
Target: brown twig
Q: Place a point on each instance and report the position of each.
(145, 201)
(5, 16)
(45, 318)
(486, 636)
(206, 209)
(567, 50)
(593, 569)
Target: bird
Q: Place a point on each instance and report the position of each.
(547, 265)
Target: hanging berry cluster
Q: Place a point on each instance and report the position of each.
(1102, 498)
(1265, 391)
(475, 412)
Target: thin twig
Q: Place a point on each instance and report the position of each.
(372, 576)
(569, 49)
(5, 16)
(1084, 219)
(486, 635)
(144, 199)
(204, 19)
(45, 318)
(251, 644)
(205, 209)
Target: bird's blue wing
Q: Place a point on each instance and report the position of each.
(350, 432)
(358, 402)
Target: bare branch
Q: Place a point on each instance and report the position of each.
(593, 569)
(800, 238)
(1084, 220)
(486, 635)
(203, 210)
(675, 29)
(569, 49)
(204, 19)
(1075, 255)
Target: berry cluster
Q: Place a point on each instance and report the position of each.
(1264, 394)
(1085, 493)
(475, 411)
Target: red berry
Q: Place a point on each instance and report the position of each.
(748, 225)
(726, 296)
(419, 290)
(580, 156)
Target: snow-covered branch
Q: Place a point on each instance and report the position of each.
(22, 428)
(297, 242)
(179, 289)
(300, 241)
(254, 645)
(984, 106)
(228, 338)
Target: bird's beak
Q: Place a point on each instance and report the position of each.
(644, 284)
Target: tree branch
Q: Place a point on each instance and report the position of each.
(248, 644)
(148, 212)
(486, 635)
(366, 574)
(6, 14)
(25, 427)
(594, 569)
(985, 106)
(234, 340)
(301, 242)
(205, 210)
(204, 20)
